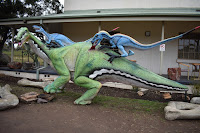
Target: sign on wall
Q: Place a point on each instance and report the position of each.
(162, 47)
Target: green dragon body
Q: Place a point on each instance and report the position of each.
(90, 68)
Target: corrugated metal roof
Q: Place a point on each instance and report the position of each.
(100, 13)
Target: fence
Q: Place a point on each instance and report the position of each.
(23, 56)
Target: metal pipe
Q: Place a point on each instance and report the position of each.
(38, 70)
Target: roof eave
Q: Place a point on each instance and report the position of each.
(111, 15)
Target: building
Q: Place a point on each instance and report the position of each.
(159, 18)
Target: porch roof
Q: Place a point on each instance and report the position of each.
(139, 14)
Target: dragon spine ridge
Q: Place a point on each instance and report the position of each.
(105, 71)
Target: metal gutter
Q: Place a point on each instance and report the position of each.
(103, 19)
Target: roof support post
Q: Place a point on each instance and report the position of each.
(41, 21)
(12, 46)
(99, 27)
(161, 52)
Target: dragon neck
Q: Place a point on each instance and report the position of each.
(106, 36)
(45, 34)
(40, 44)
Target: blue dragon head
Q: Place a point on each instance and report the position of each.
(38, 28)
(96, 39)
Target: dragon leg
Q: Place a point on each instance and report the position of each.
(112, 57)
(92, 86)
(130, 53)
(61, 80)
(60, 43)
(125, 54)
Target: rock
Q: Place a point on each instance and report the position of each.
(174, 73)
(26, 82)
(15, 65)
(29, 97)
(167, 95)
(40, 100)
(28, 66)
(34, 96)
(187, 97)
(118, 85)
(142, 91)
(7, 100)
(182, 110)
(44, 98)
(4, 60)
(48, 79)
(195, 100)
(47, 97)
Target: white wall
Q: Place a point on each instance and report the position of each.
(110, 4)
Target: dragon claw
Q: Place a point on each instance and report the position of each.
(82, 102)
(51, 89)
(112, 57)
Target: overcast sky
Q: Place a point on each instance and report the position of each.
(62, 2)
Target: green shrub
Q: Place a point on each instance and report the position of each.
(135, 88)
(196, 90)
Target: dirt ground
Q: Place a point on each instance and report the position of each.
(68, 118)
(62, 116)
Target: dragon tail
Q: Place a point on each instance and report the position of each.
(128, 72)
(147, 46)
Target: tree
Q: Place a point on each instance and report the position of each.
(24, 8)
(11, 9)
(39, 7)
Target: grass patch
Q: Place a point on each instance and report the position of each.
(133, 105)
(130, 104)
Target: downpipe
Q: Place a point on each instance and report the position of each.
(38, 70)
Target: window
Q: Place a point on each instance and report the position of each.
(189, 47)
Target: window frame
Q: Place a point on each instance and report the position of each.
(188, 41)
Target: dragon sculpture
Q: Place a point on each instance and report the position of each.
(59, 40)
(55, 38)
(120, 41)
(90, 68)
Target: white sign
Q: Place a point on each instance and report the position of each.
(162, 47)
